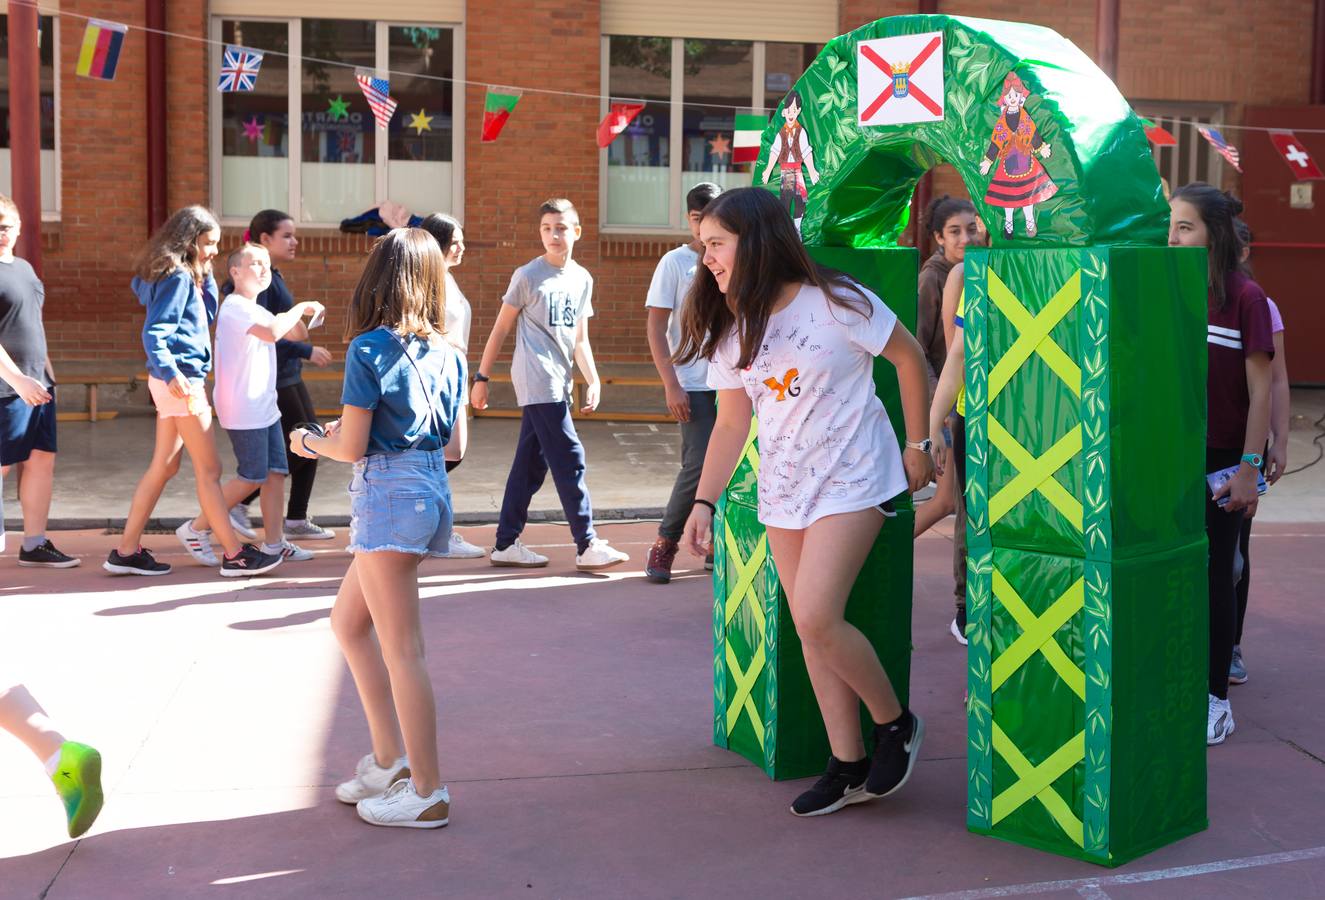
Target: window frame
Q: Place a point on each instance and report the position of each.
(48, 215)
(294, 42)
(1169, 115)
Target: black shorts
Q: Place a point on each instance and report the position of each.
(25, 428)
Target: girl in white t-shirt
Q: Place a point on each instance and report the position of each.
(793, 345)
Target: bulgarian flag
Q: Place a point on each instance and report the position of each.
(496, 110)
(745, 147)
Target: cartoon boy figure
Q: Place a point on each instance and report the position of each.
(1020, 181)
(791, 153)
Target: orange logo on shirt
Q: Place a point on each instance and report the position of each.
(786, 387)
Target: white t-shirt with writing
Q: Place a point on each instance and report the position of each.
(671, 282)
(245, 392)
(825, 443)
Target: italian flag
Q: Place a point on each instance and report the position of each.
(745, 147)
(496, 110)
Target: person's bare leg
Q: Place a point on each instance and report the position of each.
(390, 585)
(838, 703)
(34, 491)
(22, 716)
(196, 431)
(938, 507)
(353, 627)
(163, 467)
(273, 508)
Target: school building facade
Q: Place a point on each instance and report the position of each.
(105, 179)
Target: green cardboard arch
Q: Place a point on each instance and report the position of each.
(1106, 187)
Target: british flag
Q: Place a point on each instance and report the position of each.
(378, 93)
(1226, 150)
(239, 69)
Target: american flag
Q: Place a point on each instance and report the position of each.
(378, 92)
(239, 69)
(1226, 150)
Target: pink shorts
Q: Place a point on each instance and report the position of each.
(169, 406)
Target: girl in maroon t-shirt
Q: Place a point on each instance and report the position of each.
(1238, 402)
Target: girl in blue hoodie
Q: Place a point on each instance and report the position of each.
(174, 281)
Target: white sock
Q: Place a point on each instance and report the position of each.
(53, 763)
(199, 532)
(269, 549)
(295, 523)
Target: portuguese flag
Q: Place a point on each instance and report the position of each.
(749, 129)
(496, 110)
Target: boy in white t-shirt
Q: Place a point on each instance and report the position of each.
(689, 398)
(245, 400)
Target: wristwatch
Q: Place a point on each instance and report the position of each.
(1254, 458)
(923, 446)
(479, 376)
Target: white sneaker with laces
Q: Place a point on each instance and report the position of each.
(517, 555)
(239, 521)
(371, 780)
(297, 554)
(198, 543)
(402, 807)
(1219, 721)
(306, 530)
(600, 555)
(459, 548)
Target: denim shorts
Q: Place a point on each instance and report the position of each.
(259, 451)
(400, 502)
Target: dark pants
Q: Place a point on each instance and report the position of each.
(694, 444)
(296, 408)
(1244, 583)
(959, 503)
(1222, 530)
(547, 441)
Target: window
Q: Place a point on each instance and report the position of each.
(337, 163)
(1192, 159)
(692, 89)
(50, 170)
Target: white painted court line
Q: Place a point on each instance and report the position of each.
(1094, 887)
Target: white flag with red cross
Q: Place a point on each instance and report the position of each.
(900, 79)
(1298, 159)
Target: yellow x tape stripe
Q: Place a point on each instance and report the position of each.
(745, 575)
(745, 683)
(1034, 334)
(1038, 634)
(1037, 781)
(751, 452)
(1035, 474)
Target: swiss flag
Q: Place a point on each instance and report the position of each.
(616, 120)
(1298, 159)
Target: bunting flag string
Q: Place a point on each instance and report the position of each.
(1224, 148)
(239, 69)
(100, 54)
(618, 118)
(497, 109)
(378, 93)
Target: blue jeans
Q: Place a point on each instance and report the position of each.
(259, 452)
(401, 502)
(547, 441)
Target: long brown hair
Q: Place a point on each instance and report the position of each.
(769, 254)
(175, 246)
(403, 286)
(1217, 209)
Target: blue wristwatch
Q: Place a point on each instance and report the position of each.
(1254, 458)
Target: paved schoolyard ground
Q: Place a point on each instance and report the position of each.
(576, 739)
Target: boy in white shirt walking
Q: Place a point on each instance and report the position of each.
(245, 399)
(548, 304)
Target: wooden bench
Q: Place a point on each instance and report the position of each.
(92, 382)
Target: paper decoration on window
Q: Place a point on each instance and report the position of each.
(1158, 134)
(616, 120)
(378, 93)
(1298, 159)
(338, 108)
(745, 141)
(1226, 150)
(720, 147)
(239, 69)
(421, 121)
(900, 79)
(253, 130)
(102, 42)
(497, 108)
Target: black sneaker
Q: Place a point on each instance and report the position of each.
(896, 749)
(958, 626)
(47, 557)
(140, 563)
(841, 785)
(249, 561)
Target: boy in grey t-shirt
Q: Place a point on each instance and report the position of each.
(548, 303)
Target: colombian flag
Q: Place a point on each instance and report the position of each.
(101, 49)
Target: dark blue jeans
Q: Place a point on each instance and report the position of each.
(547, 441)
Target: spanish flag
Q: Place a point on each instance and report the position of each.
(101, 49)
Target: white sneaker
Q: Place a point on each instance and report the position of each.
(239, 521)
(298, 554)
(307, 530)
(371, 780)
(517, 555)
(1219, 722)
(402, 807)
(198, 543)
(459, 548)
(600, 555)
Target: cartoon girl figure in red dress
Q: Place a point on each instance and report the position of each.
(1020, 181)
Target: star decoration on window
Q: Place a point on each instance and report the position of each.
(720, 147)
(253, 130)
(338, 108)
(421, 121)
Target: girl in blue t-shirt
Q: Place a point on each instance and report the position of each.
(404, 385)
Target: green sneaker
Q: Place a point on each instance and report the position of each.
(78, 782)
